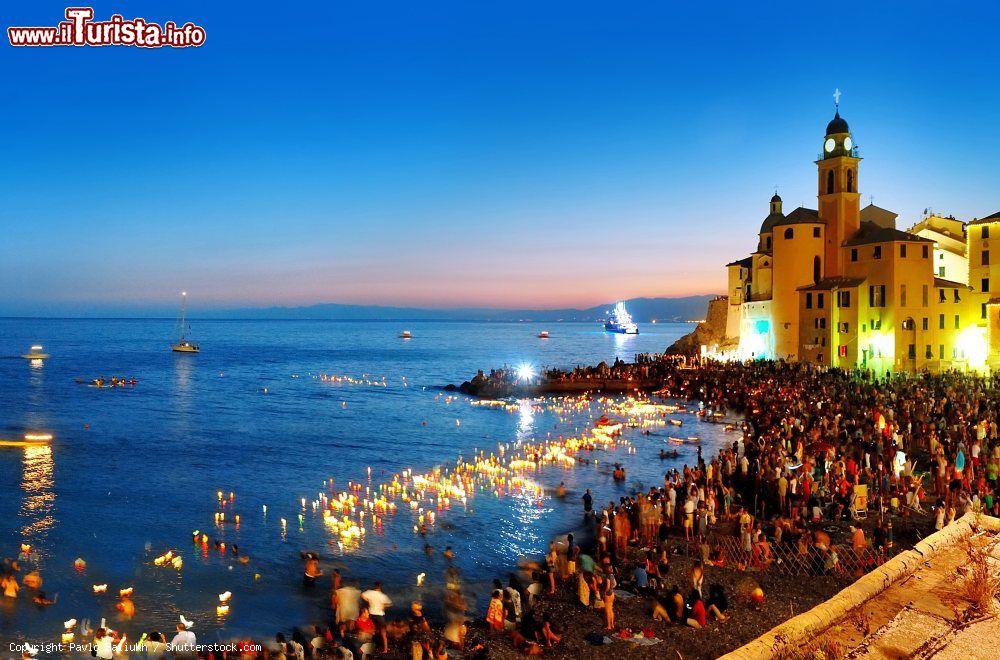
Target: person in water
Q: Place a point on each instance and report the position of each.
(312, 570)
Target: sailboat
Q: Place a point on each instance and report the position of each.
(183, 345)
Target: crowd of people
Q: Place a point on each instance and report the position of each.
(828, 462)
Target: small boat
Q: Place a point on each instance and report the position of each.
(183, 345)
(405, 334)
(30, 440)
(675, 422)
(620, 321)
(694, 438)
(544, 334)
(36, 353)
(664, 454)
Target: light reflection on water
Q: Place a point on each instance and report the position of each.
(38, 497)
(132, 466)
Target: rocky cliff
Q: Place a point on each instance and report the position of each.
(710, 332)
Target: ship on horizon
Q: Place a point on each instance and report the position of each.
(620, 321)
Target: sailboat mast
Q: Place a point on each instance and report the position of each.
(183, 304)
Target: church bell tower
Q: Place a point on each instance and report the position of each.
(839, 202)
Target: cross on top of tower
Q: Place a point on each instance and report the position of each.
(836, 97)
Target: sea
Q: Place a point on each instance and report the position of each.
(275, 412)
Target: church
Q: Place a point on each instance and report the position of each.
(842, 286)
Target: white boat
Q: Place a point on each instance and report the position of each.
(184, 345)
(620, 321)
(37, 352)
(544, 334)
(405, 334)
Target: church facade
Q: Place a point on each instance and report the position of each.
(842, 286)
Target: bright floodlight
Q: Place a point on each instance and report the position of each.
(525, 372)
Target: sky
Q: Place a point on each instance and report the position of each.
(515, 154)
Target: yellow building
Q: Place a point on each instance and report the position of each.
(842, 286)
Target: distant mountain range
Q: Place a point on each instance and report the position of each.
(643, 310)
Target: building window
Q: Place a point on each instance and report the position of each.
(843, 299)
(986, 257)
(789, 233)
(924, 295)
(902, 250)
(815, 232)
(985, 233)
(941, 322)
(986, 285)
(819, 300)
(941, 295)
(809, 301)
(845, 327)
(912, 352)
(957, 299)
(876, 295)
(940, 351)
(924, 323)
(940, 271)
(854, 254)
(767, 243)
(928, 353)
(925, 251)
(842, 350)
(908, 324)
(902, 295)
(829, 182)
(958, 323)
(850, 180)
(817, 267)
(877, 253)
(982, 311)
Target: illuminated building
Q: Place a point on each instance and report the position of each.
(842, 286)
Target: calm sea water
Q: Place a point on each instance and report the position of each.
(133, 471)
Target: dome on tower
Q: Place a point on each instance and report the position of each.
(837, 125)
(775, 198)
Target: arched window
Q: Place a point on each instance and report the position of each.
(829, 182)
(850, 180)
(817, 266)
(788, 233)
(767, 243)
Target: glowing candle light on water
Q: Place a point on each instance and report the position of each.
(420, 579)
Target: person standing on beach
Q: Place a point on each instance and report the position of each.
(347, 605)
(378, 603)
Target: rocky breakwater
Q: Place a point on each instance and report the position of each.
(499, 386)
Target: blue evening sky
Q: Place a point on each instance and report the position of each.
(467, 153)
